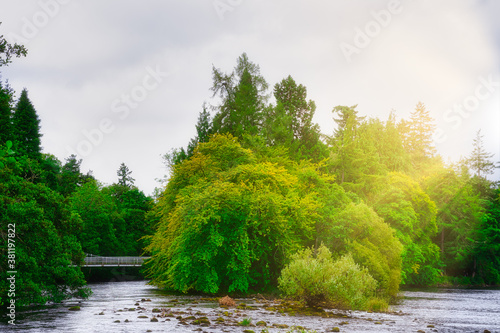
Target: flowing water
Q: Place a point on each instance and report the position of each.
(128, 307)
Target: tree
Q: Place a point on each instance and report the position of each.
(480, 160)
(124, 176)
(7, 51)
(26, 126)
(289, 123)
(43, 229)
(345, 152)
(204, 129)
(228, 221)
(99, 216)
(70, 177)
(6, 132)
(243, 99)
(402, 203)
(417, 135)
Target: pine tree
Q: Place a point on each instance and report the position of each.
(243, 99)
(204, 129)
(421, 130)
(27, 128)
(479, 160)
(124, 178)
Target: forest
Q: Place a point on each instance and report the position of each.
(258, 201)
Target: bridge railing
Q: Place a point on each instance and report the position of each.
(96, 261)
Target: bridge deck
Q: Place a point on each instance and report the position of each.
(97, 261)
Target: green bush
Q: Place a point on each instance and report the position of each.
(319, 280)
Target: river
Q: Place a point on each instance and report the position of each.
(119, 306)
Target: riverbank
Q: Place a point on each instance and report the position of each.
(134, 306)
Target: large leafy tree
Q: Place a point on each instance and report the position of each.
(228, 220)
(411, 212)
(45, 242)
(26, 126)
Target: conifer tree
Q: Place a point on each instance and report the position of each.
(421, 129)
(27, 128)
(124, 176)
(243, 99)
(480, 160)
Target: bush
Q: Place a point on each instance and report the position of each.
(322, 281)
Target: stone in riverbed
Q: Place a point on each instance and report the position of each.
(74, 308)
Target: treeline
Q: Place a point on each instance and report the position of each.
(53, 213)
(259, 183)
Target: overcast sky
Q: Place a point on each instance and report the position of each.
(124, 81)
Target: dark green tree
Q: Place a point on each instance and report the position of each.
(290, 123)
(26, 126)
(124, 176)
(70, 177)
(204, 128)
(6, 132)
(243, 99)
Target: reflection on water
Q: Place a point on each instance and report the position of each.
(118, 306)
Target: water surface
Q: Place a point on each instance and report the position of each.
(114, 303)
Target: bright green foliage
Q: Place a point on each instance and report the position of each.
(98, 213)
(228, 221)
(132, 207)
(70, 177)
(114, 219)
(358, 230)
(417, 137)
(26, 125)
(319, 280)
(45, 245)
(409, 210)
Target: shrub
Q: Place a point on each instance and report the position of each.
(320, 280)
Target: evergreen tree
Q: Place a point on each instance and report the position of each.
(417, 134)
(204, 129)
(27, 128)
(290, 124)
(243, 99)
(70, 177)
(480, 160)
(124, 176)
